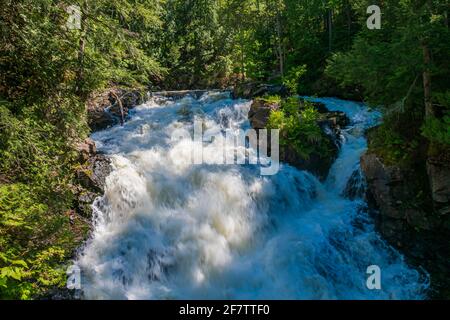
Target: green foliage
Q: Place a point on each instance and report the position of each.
(33, 151)
(392, 146)
(47, 71)
(195, 45)
(407, 27)
(437, 129)
(291, 105)
(299, 129)
(396, 85)
(292, 79)
(272, 99)
(34, 242)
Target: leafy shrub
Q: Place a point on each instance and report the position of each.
(272, 99)
(34, 242)
(292, 79)
(299, 128)
(36, 235)
(438, 129)
(291, 106)
(392, 145)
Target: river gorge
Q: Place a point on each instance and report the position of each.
(166, 228)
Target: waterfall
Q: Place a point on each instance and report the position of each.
(168, 229)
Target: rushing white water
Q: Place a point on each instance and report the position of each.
(167, 229)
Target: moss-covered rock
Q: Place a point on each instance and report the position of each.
(309, 133)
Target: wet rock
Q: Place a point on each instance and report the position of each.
(419, 229)
(250, 90)
(395, 192)
(93, 175)
(439, 178)
(84, 201)
(97, 111)
(86, 149)
(330, 123)
(91, 178)
(316, 164)
(260, 112)
(104, 109)
(356, 186)
(335, 119)
(100, 119)
(128, 100)
(385, 184)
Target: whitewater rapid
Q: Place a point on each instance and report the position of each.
(168, 229)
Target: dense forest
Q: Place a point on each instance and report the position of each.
(49, 71)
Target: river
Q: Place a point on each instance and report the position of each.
(168, 229)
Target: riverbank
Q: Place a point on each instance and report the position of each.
(411, 204)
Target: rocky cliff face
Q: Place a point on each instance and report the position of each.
(438, 170)
(104, 110)
(91, 176)
(412, 211)
(393, 192)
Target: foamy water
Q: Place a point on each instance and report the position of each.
(168, 229)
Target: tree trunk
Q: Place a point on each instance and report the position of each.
(119, 101)
(280, 45)
(349, 20)
(330, 29)
(446, 19)
(242, 44)
(81, 50)
(243, 61)
(429, 112)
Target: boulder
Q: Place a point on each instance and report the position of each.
(385, 184)
(335, 119)
(439, 178)
(419, 229)
(356, 186)
(330, 123)
(83, 202)
(260, 112)
(86, 149)
(400, 194)
(128, 100)
(97, 112)
(100, 119)
(250, 90)
(104, 110)
(91, 178)
(316, 163)
(93, 175)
